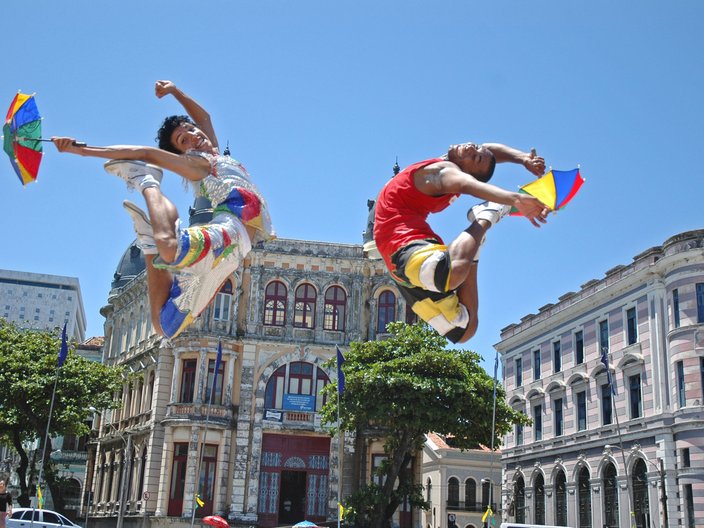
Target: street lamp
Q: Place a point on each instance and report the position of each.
(660, 468)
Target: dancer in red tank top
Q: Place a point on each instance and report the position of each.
(440, 281)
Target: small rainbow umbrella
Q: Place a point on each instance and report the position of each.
(22, 134)
(555, 189)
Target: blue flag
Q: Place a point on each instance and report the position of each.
(218, 360)
(63, 352)
(605, 361)
(340, 374)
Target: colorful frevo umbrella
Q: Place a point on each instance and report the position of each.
(555, 189)
(22, 134)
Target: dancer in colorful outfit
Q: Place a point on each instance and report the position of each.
(439, 281)
(186, 266)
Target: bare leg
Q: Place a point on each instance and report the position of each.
(463, 276)
(163, 215)
(159, 288)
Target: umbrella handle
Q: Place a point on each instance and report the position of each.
(76, 143)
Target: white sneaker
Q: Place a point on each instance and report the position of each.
(137, 174)
(142, 227)
(492, 212)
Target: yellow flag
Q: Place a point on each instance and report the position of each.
(342, 510)
(487, 513)
(199, 501)
(40, 499)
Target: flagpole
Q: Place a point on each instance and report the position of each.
(489, 515)
(341, 435)
(211, 397)
(63, 352)
(605, 356)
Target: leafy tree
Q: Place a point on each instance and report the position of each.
(404, 387)
(28, 373)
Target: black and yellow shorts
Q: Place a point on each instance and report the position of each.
(424, 268)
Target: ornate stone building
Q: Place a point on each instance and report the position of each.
(267, 461)
(592, 454)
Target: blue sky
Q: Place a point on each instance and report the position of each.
(319, 98)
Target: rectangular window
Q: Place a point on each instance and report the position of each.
(603, 336)
(558, 417)
(701, 374)
(606, 407)
(635, 393)
(700, 303)
(519, 372)
(686, 462)
(208, 389)
(676, 307)
(188, 380)
(631, 326)
(680, 384)
(581, 411)
(519, 434)
(536, 364)
(221, 306)
(538, 422)
(689, 503)
(556, 357)
(579, 347)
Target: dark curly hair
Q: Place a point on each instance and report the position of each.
(163, 135)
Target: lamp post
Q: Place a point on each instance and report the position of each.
(660, 468)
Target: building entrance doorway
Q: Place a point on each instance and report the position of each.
(292, 505)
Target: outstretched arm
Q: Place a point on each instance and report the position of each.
(192, 168)
(446, 178)
(505, 154)
(194, 110)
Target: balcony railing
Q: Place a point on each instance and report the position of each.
(469, 506)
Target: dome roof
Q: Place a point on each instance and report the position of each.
(131, 264)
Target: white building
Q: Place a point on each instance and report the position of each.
(43, 302)
(568, 467)
(458, 483)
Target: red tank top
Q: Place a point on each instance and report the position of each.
(402, 211)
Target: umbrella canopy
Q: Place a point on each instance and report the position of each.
(555, 189)
(22, 137)
(216, 520)
(304, 524)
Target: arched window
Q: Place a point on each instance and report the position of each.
(486, 493)
(585, 498)
(560, 499)
(386, 312)
(335, 308)
(223, 300)
(539, 499)
(519, 500)
(296, 379)
(275, 304)
(453, 493)
(640, 492)
(470, 495)
(304, 307)
(428, 490)
(610, 497)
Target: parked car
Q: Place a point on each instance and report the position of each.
(22, 518)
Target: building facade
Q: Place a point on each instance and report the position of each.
(458, 484)
(612, 377)
(43, 302)
(267, 460)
